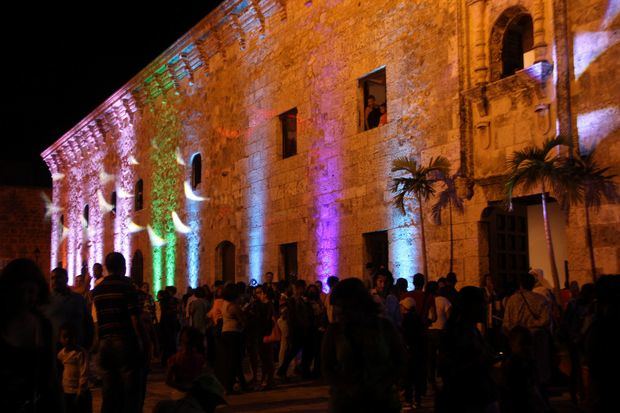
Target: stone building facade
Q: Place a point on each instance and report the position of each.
(24, 228)
(451, 88)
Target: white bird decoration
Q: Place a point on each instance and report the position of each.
(156, 240)
(50, 208)
(179, 225)
(132, 227)
(189, 194)
(105, 177)
(179, 156)
(104, 206)
(121, 193)
(57, 176)
(132, 160)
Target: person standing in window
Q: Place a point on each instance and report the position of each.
(383, 119)
(372, 115)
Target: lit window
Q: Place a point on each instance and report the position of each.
(288, 121)
(373, 100)
(196, 170)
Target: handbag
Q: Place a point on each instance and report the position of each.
(275, 336)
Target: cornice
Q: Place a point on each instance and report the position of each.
(232, 21)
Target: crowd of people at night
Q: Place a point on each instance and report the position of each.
(385, 347)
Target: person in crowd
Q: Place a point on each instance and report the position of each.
(169, 324)
(252, 336)
(424, 302)
(97, 273)
(299, 321)
(466, 362)
(198, 310)
(121, 338)
(383, 293)
(401, 288)
(363, 354)
(81, 284)
(384, 116)
(205, 394)
(601, 344)
(185, 300)
(520, 390)
(214, 330)
(317, 328)
(442, 310)
(67, 306)
(268, 281)
(494, 314)
(27, 350)
(531, 310)
(282, 296)
(413, 336)
(228, 363)
(576, 317)
(188, 363)
(329, 312)
(74, 361)
(149, 318)
(265, 320)
(372, 115)
(449, 290)
(542, 286)
(322, 295)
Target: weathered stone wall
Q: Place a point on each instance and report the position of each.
(24, 229)
(275, 55)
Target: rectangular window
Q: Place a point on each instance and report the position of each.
(372, 96)
(288, 253)
(288, 121)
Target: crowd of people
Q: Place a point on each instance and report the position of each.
(383, 347)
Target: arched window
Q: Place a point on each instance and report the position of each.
(137, 268)
(139, 195)
(512, 36)
(196, 170)
(86, 214)
(225, 261)
(113, 202)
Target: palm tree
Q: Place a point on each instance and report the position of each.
(417, 180)
(533, 167)
(448, 197)
(593, 184)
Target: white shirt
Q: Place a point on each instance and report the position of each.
(443, 308)
(75, 369)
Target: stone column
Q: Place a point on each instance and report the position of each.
(476, 17)
(540, 46)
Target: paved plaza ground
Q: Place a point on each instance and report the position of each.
(296, 396)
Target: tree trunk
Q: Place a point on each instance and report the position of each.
(451, 238)
(554, 268)
(590, 244)
(423, 239)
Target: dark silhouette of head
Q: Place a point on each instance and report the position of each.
(527, 281)
(22, 288)
(230, 292)
(59, 279)
(451, 279)
(470, 306)
(418, 281)
(332, 280)
(353, 301)
(432, 287)
(115, 263)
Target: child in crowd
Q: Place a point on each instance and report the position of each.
(74, 360)
(188, 363)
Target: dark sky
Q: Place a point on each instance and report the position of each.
(64, 59)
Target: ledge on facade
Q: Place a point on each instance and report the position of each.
(533, 78)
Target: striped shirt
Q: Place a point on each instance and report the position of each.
(116, 300)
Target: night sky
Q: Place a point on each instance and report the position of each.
(66, 59)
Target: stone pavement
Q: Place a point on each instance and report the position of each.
(296, 396)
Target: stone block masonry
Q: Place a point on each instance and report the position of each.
(219, 91)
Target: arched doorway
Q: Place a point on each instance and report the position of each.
(137, 268)
(225, 261)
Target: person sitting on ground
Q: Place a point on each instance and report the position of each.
(363, 357)
(74, 361)
(205, 394)
(188, 363)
